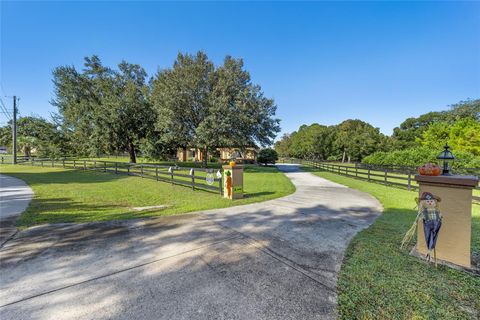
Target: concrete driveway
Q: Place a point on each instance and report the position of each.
(15, 195)
(272, 260)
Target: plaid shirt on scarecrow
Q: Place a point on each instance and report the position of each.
(430, 214)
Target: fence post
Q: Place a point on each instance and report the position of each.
(41, 163)
(128, 169)
(84, 164)
(386, 176)
(141, 170)
(116, 167)
(105, 166)
(356, 171)
(220, 186)
(409, 183)
(53, 163)
(171, 175)
(74, 166)
(368, 176)
(192, 172)
(95, 165)
(156, 172)
(63, 162)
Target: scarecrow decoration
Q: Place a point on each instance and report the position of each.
(428, 211)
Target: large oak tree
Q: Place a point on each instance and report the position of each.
(101, 109)
(199, 105)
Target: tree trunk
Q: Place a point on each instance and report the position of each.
(344, 155)
(131, 152)
(27, 152)
(205, 157)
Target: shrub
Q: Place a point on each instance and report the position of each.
(267, 156)
(333, 158)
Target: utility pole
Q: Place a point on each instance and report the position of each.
(14, 130)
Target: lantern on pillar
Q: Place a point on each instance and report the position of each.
(447, 157)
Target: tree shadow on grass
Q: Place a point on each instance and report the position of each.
(65, 210)
(476, 234)
(257, 194)
(64, 177)
(261, 169)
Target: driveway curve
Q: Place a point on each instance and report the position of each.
(273, 260)
(15, 195)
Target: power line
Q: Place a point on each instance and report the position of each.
(2, 105)
(3, 91)
(6, 113)
(4, 109)
(1, 100)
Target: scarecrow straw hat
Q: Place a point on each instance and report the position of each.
(429, 196)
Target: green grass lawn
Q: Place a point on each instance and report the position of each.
(64, 195)
(380, 281)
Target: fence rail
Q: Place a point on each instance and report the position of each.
(409, 169)
(195, 178)
(386, 176)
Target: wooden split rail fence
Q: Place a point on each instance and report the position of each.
(398, 177)
(195, 178)
(385, 176)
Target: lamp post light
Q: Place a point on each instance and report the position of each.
(446, 156)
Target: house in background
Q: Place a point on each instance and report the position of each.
(248, 154)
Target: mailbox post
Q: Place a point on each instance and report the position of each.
(454, 239)
(233, 181)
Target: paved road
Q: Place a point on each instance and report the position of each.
(15, 195)
(272, 260)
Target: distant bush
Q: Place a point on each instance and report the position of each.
(267, 155)
(334, 158)
(418, 156)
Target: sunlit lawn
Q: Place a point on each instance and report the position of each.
(64, 195)
(380, 281)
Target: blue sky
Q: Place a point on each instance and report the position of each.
(321, 61)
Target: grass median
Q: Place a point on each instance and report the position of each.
(380, 281)
(65, 195)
